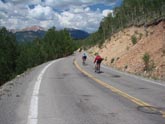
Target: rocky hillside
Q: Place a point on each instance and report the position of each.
(125, 50)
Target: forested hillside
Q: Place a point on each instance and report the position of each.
(132, 39)
(16, 57)
(130, 13)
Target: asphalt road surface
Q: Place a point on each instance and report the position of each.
(66, 92)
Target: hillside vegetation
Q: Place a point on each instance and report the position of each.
(130, 13)
(133, 38)
(146, 57)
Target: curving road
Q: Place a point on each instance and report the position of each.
(66, 92)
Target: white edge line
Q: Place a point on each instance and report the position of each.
(150, 81)
(33, 109)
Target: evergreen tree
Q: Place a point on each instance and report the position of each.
(8, 54)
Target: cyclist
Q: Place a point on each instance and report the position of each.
(84, 57)
(98, 60)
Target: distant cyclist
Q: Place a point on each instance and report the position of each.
(84, 57)
(98, 60)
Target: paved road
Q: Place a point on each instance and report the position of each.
(66, 92)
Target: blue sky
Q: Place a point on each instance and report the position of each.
(80, 14)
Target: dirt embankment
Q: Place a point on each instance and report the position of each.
(120, 52)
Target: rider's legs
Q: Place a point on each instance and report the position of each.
(97, 67)
(84, 59)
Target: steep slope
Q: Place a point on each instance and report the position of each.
(121, 53)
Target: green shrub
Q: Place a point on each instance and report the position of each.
(112, 60)
(127, 48)
(105, 59)
(117, 58)
(149, 64)
(134, 39)
(126, 66)
(140, 35)
(96, 53)
(163, 51)
(146, 59)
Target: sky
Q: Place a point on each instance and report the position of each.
(79, 14)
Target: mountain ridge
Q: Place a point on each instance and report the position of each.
(30, 33)
(33, 28)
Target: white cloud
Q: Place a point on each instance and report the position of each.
(72, 14)
(80, 18)
(40, 12)
(106, 12)
(3, 6)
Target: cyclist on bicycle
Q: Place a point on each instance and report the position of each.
(84, 57)
(98, 60)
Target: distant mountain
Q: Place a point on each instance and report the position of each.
(33, 28)
(22, 36)
(30, 33)
(78, 34)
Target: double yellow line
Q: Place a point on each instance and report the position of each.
(131, 98)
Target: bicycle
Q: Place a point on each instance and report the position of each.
(84, 60)
(97, 65)
(97, 68)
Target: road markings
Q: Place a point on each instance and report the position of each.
(33, 110)
(131, 98)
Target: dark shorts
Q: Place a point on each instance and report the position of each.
(84, 57)
(99, 61)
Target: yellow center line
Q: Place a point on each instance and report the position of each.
(115, 90)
